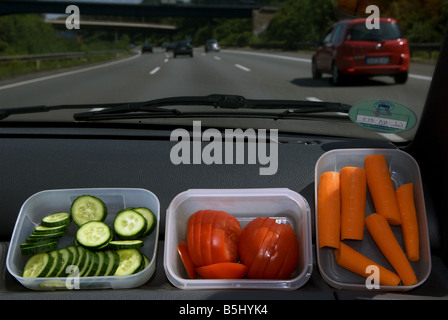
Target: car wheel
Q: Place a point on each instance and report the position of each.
(337, 78)
(401, 78)
(316, 73)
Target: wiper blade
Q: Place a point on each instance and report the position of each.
(153, 108)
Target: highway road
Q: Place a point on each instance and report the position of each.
(274, 75)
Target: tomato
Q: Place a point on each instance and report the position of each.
(186, 259)
(212, 237)
(269, 249)
(222, 270)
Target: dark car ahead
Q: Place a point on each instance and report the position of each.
(183, 48)
(211, 45)
(350, 48)
(147, 48)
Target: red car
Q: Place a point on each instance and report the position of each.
(350, 48)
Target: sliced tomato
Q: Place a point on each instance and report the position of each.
(212, 237)
(269, 250)
(222, 270)
(182, 248)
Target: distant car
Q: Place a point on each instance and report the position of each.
(211, 45)
(147, 48)
(183, 48)
(350, 48)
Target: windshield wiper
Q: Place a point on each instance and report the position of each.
(154, 108)
(158, 108)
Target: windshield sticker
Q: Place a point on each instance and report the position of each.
(382, 116)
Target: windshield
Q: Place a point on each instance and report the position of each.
(378, 57)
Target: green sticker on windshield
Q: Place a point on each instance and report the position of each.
(382, 116)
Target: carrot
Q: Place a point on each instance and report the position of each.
(409, 224)
(353, 202)
(383, 236)
(381, 188)
(329, 209)
(356, 262)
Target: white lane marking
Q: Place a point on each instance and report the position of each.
(313, 99)
(417, 76)
(216, 58)
(242, 67)
(53, 76)
(153, 71)
(97, 109)
(166, 60)
(414, 76)
(270, 55)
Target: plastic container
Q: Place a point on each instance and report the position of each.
(404, 169)
(46, 202)
(244, 205)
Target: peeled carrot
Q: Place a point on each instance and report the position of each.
(329, 209)
(353, 202)
(381, 188)
(356, 262)
(409, 224)
(383, 236)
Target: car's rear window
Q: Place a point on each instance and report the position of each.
(386, 31)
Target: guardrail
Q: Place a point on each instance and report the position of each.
(37, 58)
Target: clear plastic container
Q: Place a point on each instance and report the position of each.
(245, 205)
(50, 201)
(404, 169)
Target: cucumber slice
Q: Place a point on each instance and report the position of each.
(57, 262)
(38, 265)
(150, 219)
(56, 219)
(94, 261)
(86, 264)
(93, 235)
(34, 248)
(114, 261)
(131, 261)
(88, 208)
(103, 262)
(146, 261)
(125, 244)
(67, 260)
(40, 229)
(129, 224)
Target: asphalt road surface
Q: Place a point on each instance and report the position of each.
(251, 74)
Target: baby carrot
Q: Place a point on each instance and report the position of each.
(353, 202)
(356, 262)
(381, 188)
(329, 209)
(409, 224)
(383, 236)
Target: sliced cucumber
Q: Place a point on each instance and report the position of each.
(114, 261)
(86, 264)
(94, 261)
(131, 261)
(150, 219)
(88, 208)
(93, 235)
(34, 248)
(67, 260)
(57, 262)
(40, 229)
(125, 244)
(103, 262)
(56, 219)
(38, 265)
(129, 224)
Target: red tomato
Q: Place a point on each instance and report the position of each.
(269, 249)
(212, 237)
(186, 259)
(222, 270)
